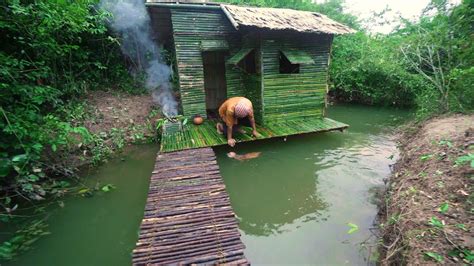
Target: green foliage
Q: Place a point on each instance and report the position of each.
(435, 48)
(52, 52)
(469, 158)
(368, 69)
(443, 208)
(465, 254)
(394, 218)
(426, 157)
(23, 239)
(434, 256)
(107, 188)
(423, 64)
(436, 222)
(395, 69)
(353, 228)
(462, 227)
(446, 143)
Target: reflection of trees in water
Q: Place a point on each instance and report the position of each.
(285, 188)
(281, 187)
(277, 200)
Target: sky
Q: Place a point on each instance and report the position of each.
(410, 9)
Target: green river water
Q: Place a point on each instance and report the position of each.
(293, 202)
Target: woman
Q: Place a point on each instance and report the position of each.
(234, 112)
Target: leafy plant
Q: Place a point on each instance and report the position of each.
(107, 188)
(469, 158)
(434, 256)
(436, 222)
(443, 208)
(23, 239)
(464, 254)
(353, 228)
(462, 227)
(446, 143)
(426, 157)
(394, 218)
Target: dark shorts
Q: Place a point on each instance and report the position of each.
(240, 122)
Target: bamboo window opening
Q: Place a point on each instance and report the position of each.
(234, 60)
(297, 57)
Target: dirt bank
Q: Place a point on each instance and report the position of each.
(427, 216)
(114, 120)
(133, 114)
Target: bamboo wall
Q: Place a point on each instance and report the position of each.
(240, 83)
(289, 96)
(190, 27)
(233, 74)
(275, 96)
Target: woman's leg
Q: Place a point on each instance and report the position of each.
(221, 129)
(243, 122)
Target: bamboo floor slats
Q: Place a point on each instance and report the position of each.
(205, 135)
(188, 218)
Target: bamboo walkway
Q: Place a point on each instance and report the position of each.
(188, 218)
(205, 135)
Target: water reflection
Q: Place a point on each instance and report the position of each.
(103, 229)
(272, 190)
(295, 200)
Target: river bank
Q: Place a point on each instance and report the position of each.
(111, 123)
(113, 120)
(427, 213)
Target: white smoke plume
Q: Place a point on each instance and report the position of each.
(131, 22)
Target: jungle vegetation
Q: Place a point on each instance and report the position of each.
(53, 53)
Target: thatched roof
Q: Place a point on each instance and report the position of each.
(283, 19)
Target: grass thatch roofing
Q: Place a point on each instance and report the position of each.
(285, 19)
(266, 18)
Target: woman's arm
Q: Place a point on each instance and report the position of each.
(230, 140)
(254, 127)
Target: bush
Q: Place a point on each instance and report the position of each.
(369, 70)
(51, 53)
(427, 64)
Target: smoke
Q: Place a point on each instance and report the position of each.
(131, 22)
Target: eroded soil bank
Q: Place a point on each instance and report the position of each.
(427, 216)
(114, 121)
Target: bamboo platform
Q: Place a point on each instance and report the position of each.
(188, 218)
(191, 136)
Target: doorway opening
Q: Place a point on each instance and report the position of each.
(214, 81)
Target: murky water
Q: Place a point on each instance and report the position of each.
(293, 203)
(103, 229)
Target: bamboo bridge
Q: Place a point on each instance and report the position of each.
(188, 218)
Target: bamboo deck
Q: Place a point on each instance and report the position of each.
(205, 135)
(188, 218)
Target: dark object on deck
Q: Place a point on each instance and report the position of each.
(188, 218)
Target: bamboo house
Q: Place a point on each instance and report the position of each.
(277, 58)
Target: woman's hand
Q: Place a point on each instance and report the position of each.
(231, 142)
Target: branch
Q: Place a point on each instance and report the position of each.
(418, 69)
(441, 71)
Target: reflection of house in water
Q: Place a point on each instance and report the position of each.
(278, 58)
(266, 197)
